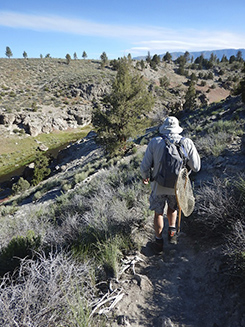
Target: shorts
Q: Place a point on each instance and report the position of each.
(157, 202)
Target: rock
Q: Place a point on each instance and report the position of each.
(166, 322)
(43, 147)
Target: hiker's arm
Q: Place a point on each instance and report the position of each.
(147, 164)
(194, 162)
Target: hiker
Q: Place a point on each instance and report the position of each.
(160, 195)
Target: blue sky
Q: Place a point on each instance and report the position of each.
(59, 27)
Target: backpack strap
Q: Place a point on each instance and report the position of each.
(183, 150)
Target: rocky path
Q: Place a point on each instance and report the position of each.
(186, 286)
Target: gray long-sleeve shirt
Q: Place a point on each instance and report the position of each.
(153, 157)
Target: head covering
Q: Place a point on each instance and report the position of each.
(170, 125)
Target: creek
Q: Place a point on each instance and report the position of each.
(19, 171)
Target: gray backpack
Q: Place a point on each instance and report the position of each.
(173, 159)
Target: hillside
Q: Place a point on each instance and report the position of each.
(74, 248)
(89, 225)
(219, 53)
(41, 97)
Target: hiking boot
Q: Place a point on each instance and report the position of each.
(157, 246)
(172, 236)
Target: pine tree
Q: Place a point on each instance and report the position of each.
(148, 58)
(167, 57)
(104, 59)
(122, 115)
(84, 55)
(8, 52)
(24, 55)
(190, 97)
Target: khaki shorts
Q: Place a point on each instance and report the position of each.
(157, 202)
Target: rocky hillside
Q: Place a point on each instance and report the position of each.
(82, 235)
(42, 95)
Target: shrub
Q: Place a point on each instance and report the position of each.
(52, 291)
(41, 169)
(18, 248)
(20, 186)
(164, 81)
(217, 210)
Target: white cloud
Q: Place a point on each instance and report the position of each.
(147, 38)
(190, 40)
(73, 26)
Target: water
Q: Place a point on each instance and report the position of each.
(19, 171)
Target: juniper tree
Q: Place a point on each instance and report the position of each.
(41, 170)
(124, 110)
(68, 58)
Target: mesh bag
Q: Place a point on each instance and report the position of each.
(184, 193)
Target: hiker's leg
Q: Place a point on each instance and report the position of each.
(157, 203)
(172, 216)
(158, 224)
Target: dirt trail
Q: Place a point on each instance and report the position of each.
(184, 287)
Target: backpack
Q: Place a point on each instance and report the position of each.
(174, 158)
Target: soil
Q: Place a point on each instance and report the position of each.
(186, 286)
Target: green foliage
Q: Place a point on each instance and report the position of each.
(20, 186)
(79, 177)
(41, 170)
(241, 87)
(167, 57)
(104, 59)
(164, 81)
(148, 58)
(108, 253)
(8, 52)
(18, 248)
(226, 126)
(68, 58)
(142, 64)
(190, 97)
(84, 55)
(154, 62)
(124, 109)
(24, 55)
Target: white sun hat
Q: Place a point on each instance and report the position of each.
(170, 125)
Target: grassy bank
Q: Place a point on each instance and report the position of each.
(17, 151)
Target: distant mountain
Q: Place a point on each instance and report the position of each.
(219, 53)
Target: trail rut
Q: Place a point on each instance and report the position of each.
(186, 286)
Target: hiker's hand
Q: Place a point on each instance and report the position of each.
(146, 181)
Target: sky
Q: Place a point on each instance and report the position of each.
(58, 27)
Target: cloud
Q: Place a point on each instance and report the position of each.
(72, 26)
(190, 40)
(142, 38)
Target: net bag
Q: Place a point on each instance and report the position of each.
(184, 193)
